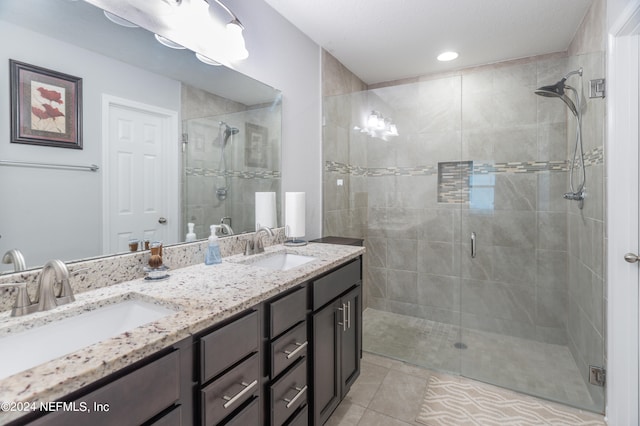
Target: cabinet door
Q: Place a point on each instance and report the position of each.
(351, 339)
(326, 349)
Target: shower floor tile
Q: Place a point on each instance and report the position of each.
(540, 369)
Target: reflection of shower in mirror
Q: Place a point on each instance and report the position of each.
(226, 132)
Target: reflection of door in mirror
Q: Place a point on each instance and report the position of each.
(137, 192)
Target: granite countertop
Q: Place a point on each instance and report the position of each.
(202, 295)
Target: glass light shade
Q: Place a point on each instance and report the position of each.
(207, 61)
(166, 42)
(237, 48)
(118, 20)
(372, 121)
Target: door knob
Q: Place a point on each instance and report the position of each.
(631, 258)
(162, 220)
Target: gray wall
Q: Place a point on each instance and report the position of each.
(418, 246)
(43, 207)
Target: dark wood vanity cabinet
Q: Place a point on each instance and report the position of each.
(286, 343)
(337, 337)
(154, 391)
(230, 372)
(288, 361)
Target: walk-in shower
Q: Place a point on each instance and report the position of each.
(478, 152)
(558, 90)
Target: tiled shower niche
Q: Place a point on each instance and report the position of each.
(454, 181)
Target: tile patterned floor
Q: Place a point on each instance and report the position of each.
(541, 369)
(387, 393)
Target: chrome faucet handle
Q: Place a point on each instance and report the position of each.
(248, 248)
(22, 305)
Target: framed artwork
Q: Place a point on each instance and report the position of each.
(46, 107)
(256, 151)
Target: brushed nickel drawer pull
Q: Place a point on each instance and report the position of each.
(290, 402)
(344, 317)
(349, 314)
(231, 400)
(300, 346)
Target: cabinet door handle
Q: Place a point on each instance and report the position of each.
(293, 400)
(300, 346)
(473, 245)
(349, 314)
(232, 399)
(344, 317)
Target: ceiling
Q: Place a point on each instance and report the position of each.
(385, 40)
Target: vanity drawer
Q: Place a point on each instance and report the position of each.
(289, 393)
(249, 416)
(300, 419)
(230, 391)
(287, 311)
(335, 283)
(288, 348)
(224, 347)
(157, 384)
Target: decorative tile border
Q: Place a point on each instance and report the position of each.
(591, 158)
(242, 174)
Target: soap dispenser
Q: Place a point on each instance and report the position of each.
(213, 249)
(191, 236)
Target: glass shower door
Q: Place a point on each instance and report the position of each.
(532, 294)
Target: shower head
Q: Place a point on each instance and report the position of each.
(558, 91)
(228, 131)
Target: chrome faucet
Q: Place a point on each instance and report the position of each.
(226, 218)
(15, 256)
(226, 229)
(45, 298)
(257, 239)
(256, 246)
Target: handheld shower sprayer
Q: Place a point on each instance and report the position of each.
(559, 90)
(221, 193)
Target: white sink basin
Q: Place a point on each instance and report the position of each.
(279, 261)
(26, 349)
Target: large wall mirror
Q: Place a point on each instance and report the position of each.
(175, 140)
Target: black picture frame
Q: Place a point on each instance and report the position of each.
(46, 106)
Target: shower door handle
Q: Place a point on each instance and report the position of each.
(473, 244)
(631, 258)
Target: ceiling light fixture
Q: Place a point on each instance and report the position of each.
(447, 56)
(236, 49)
(118, 20)
(378, 126)
(166, 42)
(207, 61)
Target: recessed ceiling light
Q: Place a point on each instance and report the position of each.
(447, 56)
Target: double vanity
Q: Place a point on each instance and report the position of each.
(267, 339)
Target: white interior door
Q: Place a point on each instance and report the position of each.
(623, 217)
(138, 190)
